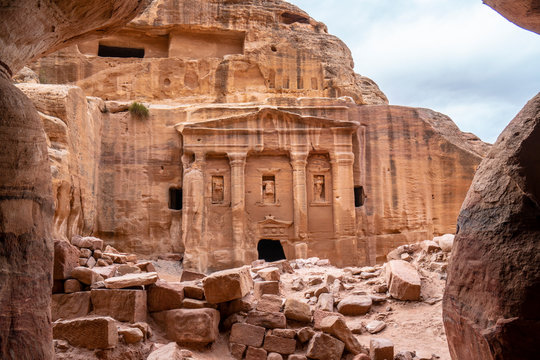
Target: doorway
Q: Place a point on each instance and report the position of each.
(270, 250)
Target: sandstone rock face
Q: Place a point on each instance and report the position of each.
(524, 13)
(28, 30)
(91, 333)
(402, 280)
(497, 242)
(207, 86)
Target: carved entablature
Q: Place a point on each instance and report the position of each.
(273, 229)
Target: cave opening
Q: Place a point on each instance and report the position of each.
(119, 52)
(175, 198)
(270, 250)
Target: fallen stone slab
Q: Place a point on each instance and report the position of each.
(121, 304)
(279, 344)
(131, 280)
(85, 275)
(90, 333)
(268, 320)
(247, 334)
(403, 280)
(269, 274)
(227, 285)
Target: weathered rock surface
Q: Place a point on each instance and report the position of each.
(381, 349)
(123, 305)
(297, 310)
(91, 333)
(402, 280)
(227, 285)
(524, 13)
(336, 326)
(325, 347)
(70, 306)
(247, 334)
(354, 305)
(131, 280)
(493, 284)
(165, 296)
(190, 326)
(66, 257)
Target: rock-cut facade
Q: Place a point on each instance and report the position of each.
(261, 142)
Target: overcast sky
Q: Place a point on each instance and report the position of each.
(458, 57)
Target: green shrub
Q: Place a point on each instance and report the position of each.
(138, 110)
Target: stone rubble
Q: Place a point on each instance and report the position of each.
(260, 312)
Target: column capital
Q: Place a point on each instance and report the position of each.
(299, 159)
(344, 158)
(237, 158)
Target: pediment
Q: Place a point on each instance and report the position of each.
(266, 119)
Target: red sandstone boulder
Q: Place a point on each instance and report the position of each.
(85, 275)
(490, 305)
(190, 326)
(334, 325)
(279, 344)
(381, 349)
(325, 347)
(70, 306)
(403, 280)
(123, 305)
(165, 296)
(171, 351)
(297, 310)
(354, 305)
(90, 333)
(267, 319)
(227, 285)
(66, 258)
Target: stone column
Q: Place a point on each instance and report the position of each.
(237, 161)
(299, 162)
(195, 255)
(343, 208)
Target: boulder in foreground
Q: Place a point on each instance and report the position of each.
(227, 285)
(403, 280)
(90, 333)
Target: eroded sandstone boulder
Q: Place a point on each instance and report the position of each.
(66, 258)
(190, 326)
(490, 306)
(325, 347)
(336, 326)
(70, 306)
(227, 285)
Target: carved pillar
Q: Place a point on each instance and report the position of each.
(343, 205)
(237, 162)
(196, 253)
(299, 162)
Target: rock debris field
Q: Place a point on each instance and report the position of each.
(110, 305)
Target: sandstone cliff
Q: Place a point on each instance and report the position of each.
(249, 98)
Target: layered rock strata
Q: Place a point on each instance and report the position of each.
(29, 29)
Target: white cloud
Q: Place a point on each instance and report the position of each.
(458, 57)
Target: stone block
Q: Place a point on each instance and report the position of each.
(189, 326)
(247, 334)
(274, 356)
(188, 275)
(164, 295)
(269, 274)
(227, 285)
(325, 347)
(72, 286)
(267, 320)
(269, 303)
(355, 305)
(286, 333)
(70, 306)
(237, 350)
(381, 349)
(66, 258)
(305, 334)
(319, 315)
(131, 335)
(261, 288)
(123, 305)
(279, 344)
(297, 310)
(325, 302)
(402, 280)
(193, 291)
(85, 275)
(88, 242)
(336, 326)
(171, 351)
(255, 353)
(90, 333)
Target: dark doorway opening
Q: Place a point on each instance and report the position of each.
(359, 196)
(175, 198)
(270, 250)
(119, 52)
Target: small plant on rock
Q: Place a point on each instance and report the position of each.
(138, 110)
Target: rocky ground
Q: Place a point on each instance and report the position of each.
(299, 309)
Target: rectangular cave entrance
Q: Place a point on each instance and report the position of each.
(270, 250)
(119, 52)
